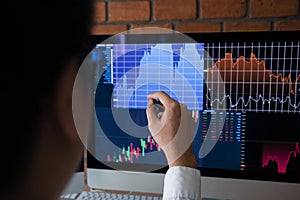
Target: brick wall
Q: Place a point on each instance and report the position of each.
(187, 16)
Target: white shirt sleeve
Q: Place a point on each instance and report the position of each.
(182, 183)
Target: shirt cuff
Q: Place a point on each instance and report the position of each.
(182, 183)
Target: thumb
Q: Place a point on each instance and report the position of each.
(154, 121)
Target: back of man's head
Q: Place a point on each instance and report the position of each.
(41, 37)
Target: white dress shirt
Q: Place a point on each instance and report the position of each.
(182, 183)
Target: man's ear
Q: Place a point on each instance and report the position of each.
(63, 100)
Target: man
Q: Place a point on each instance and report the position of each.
(40, 145)
(44, 148)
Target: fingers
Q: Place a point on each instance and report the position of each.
(163, 97)
(167, 102)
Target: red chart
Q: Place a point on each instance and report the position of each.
(251, 86)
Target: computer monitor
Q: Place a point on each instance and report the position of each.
(243, 93)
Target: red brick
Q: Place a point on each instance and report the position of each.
(129, 11)
(243, 26)
(168, 26)
(287, 25)
(174, 9)
(222, 8)
(99, 12)
(273, 8)
(195, 27)
(108, 29)
(151, 28)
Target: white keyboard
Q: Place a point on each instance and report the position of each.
(99, 195)
(96, 195)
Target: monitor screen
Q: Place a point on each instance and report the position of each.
(241, 88)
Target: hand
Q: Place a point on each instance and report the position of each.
(172, 129)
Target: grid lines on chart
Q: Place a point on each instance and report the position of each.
(258, 76)
(141, 69)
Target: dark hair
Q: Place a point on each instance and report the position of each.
(41, 36)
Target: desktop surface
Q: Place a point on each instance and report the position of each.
(253, 119)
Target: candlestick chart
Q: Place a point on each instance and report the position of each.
(130, 152)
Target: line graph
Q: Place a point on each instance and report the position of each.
(267, 81)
